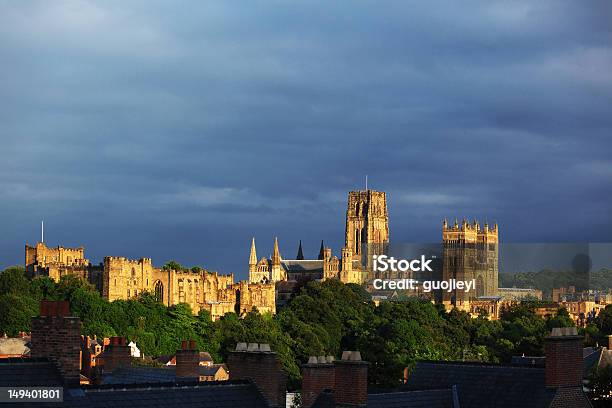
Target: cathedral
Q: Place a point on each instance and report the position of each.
(367, 230)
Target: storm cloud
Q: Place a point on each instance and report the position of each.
(179, 130)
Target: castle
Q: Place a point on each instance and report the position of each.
(367, 229)
(122, 278)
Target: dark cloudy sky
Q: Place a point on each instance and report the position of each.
(179, 130)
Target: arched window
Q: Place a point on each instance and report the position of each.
(159, 291)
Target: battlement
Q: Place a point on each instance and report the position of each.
(124, 260)
(41, 256)
(474, 226)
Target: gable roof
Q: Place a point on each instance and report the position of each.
(212, 370)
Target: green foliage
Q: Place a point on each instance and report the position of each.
(172, 265)
(13, 280)
(15, 313)
(324, 318)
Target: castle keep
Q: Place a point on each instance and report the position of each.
(122, 278)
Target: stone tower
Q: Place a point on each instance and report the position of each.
(367, 222)
(277, 272)
(257, 274)
(470, 252)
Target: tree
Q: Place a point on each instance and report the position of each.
(13, 280)
(16, 313)
(172, 265)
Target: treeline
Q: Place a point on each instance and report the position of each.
(547, 279)
(322, 319)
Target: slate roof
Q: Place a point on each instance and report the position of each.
(224, 394)
(28, 372)
(431, 398)
(140, 375)
(440, 398)
(218, 394)
(302, 265)
(528, 361)
(591, 357)
(485, 385)
(213, 394)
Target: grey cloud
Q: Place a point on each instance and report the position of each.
(179, 131)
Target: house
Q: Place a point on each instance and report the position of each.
(556, 384)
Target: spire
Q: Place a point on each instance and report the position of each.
(300, 254)
(322, 251)
(253, 257)
(276, 257)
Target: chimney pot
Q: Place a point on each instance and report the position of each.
(192, 344)
(184, 345)
(355, 356)
(253, 347)
(265, 348)
(241, 347)
(321, 360)
(312, 360)
(346, 355)
(609, 336)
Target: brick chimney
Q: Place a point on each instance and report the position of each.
(258, 363)
(351, 380)
(318, 375)
(116, 354)
(57, 336)
(564, 361)
(188, 361)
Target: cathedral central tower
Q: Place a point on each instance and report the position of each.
(367, 222)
